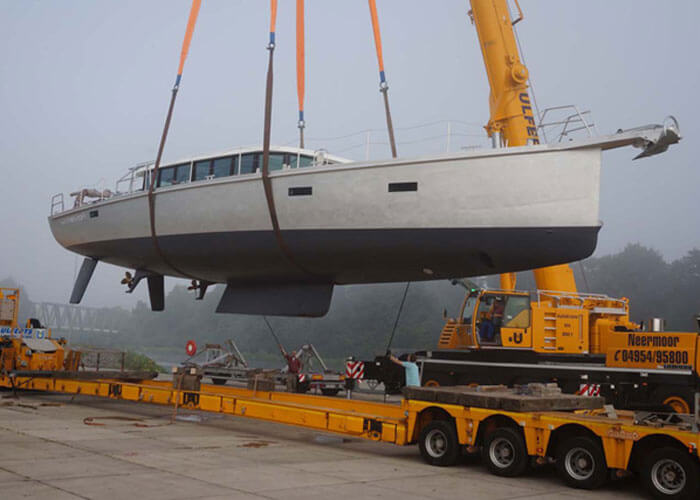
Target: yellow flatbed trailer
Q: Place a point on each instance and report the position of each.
(587, 447)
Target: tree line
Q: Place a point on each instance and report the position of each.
(361, 318)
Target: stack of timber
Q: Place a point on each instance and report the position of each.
(263, 380)
(531, 397)
(187, 378)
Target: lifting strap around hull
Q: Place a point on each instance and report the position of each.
(194, 11)
(267, 183)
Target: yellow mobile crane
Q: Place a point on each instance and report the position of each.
(585, 342)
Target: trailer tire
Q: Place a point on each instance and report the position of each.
(671, 473)
(438, 443)
(504, 452)
(218, 381)
(581, 463)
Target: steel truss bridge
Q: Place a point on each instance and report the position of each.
(65, 319)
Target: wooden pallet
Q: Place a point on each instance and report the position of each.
(502, 398)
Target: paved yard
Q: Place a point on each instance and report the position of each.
(48, 451)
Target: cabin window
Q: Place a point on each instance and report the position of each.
(224, 167)
(182, 174)
(218, 167)
(166, 176)
(306, 161)
(276, 161)
(292, 160)
(251, 163)
(177, 174)
(202, 170)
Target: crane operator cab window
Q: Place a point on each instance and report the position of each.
(498, 311)
(490, 318)
(517, 312)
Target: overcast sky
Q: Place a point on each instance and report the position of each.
(85, 85)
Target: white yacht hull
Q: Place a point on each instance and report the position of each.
(469, 215)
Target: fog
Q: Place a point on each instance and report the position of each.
(85, 88)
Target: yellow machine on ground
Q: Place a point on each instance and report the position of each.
(26, 348)
(30, 351)
(585, 342)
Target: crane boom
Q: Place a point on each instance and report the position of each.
(512, 121)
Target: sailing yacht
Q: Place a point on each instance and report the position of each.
(338, 222)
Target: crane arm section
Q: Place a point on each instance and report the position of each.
(511, 112)
(512, 122)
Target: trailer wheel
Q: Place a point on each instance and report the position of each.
(581, 463)
(671, 473)
(505, 453)
(438, 443)
(218, 381)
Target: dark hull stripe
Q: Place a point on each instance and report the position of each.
(353, 256)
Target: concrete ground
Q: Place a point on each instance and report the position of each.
(47, 450)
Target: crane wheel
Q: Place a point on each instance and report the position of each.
(677, 403)
(439, 380)
(670, 472)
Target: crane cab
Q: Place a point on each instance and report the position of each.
(544, 322)
(490, 319)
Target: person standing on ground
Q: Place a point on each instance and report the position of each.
(410, 368)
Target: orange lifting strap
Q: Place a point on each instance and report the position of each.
(383, 85)
(377, 38)
(194, 12)
(273, 20)
(267, 183)
(300, 69)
